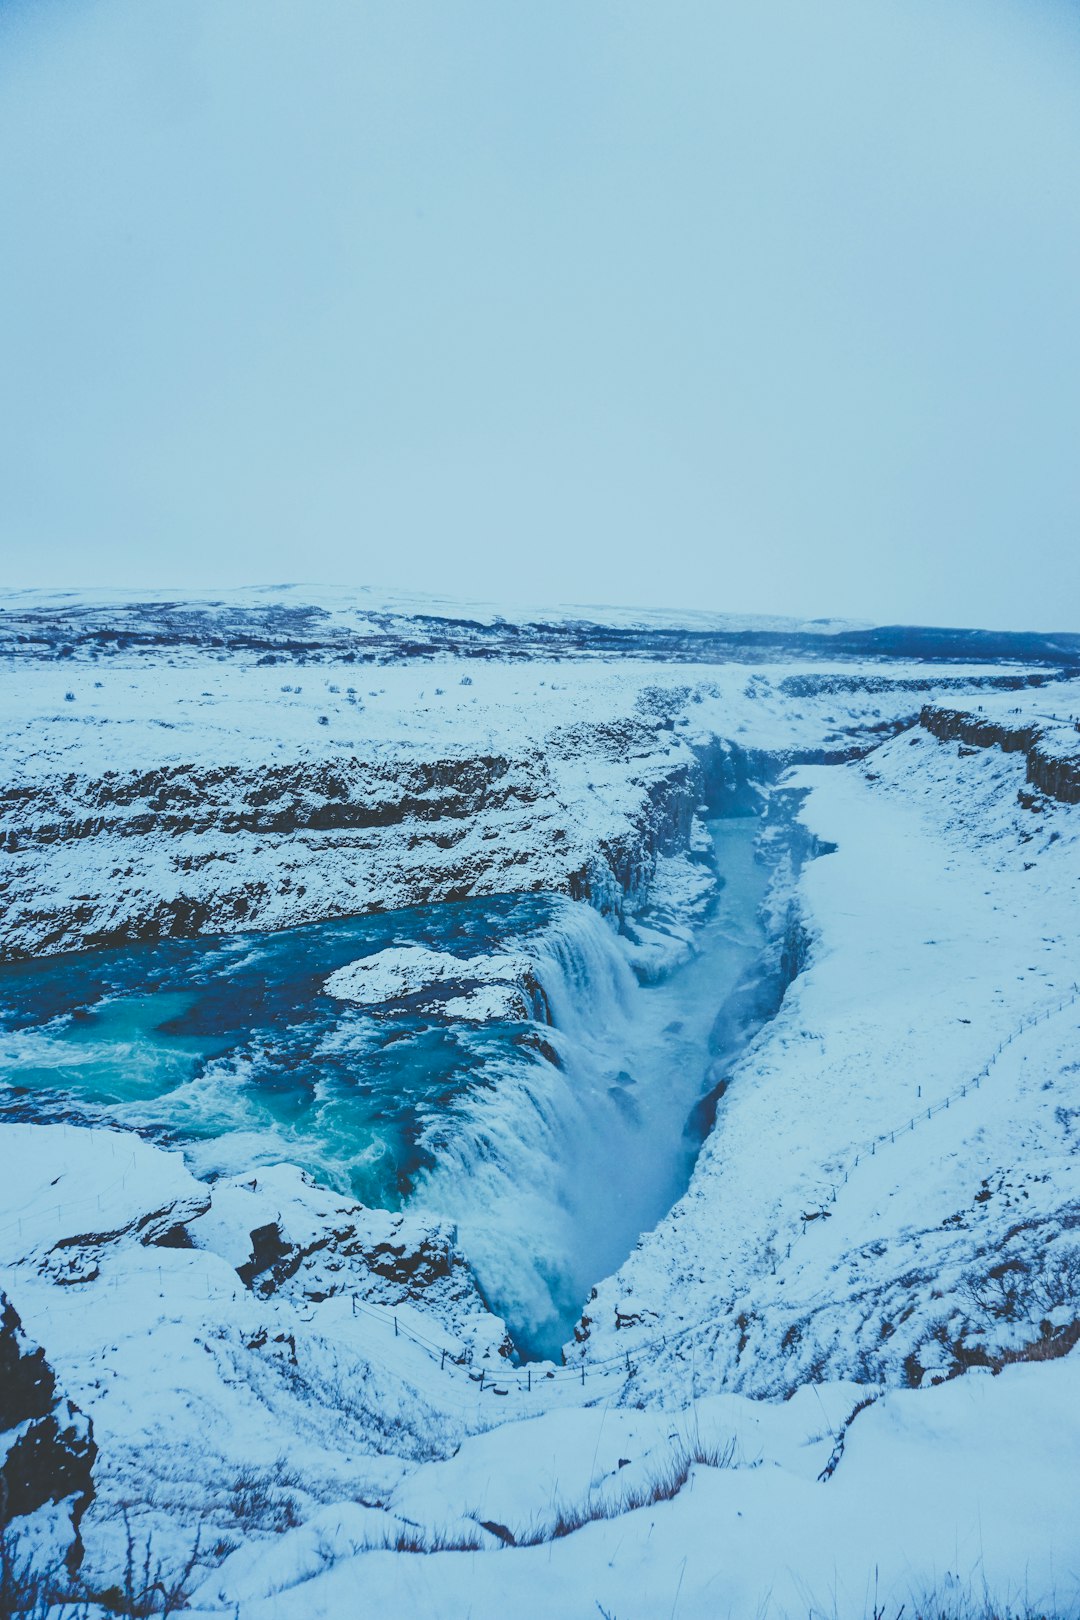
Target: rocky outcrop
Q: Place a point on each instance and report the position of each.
(409, 1260)
(622, 866)
(813, 684)
(47, 1443)
(1052, 753)
(291, 1240)
(303, 796)
(188, 849)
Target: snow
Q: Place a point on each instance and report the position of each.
(766, 1538)
(202, 779)
(358, 607)
(940, 926)
(950, 1487)
(409, 970)
(886, 1210)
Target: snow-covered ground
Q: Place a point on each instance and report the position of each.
(355, 610)
(917, 1087)
(153, 794)
(838, 1374)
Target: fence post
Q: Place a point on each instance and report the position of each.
(583, 1375)
(529, 1374)
(483, 1370)
(395, 1327)
(442, 1362)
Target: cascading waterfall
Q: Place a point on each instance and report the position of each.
(553, 1144)
(584, 975)
(553, 1173)
(545, 1146)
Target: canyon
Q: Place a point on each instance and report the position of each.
(432, 1037)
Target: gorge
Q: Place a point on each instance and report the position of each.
(425, 1041)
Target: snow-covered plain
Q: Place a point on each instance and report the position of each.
(838, 1375)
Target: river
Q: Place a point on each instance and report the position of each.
(230, 1048)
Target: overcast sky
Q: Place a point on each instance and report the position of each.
(759, 305)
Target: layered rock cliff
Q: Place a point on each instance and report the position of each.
(1050, 744)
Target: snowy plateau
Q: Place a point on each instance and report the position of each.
(555, 1114)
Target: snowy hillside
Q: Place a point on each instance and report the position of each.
(644, 1183)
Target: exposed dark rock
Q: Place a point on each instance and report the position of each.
(47, 1443)
(272, 1259)
(149, 1227)
(412, 1267)
(1049, 770)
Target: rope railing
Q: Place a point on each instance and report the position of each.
(531, 1377)
(38, 1212)
(622, 1364)
(871, 1145)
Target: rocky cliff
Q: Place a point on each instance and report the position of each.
(46, 1442)
(1051, 747)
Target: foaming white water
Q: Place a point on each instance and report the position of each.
(584, 975)
(553, 1172)
(519, 1163)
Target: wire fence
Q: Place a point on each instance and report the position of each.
(91, 1202)
(505, 1380)
(887, 1138)
(624, 1364)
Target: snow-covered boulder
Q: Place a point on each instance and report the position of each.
(477, 988)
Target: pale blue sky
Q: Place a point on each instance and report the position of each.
(770, 306)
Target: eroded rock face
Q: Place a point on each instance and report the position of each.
(1052, 753)
(316, 1244)
(158, 779)
(47, 1443)
(98, 860)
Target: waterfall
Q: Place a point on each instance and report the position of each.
(582, 972)
(536, 1147)
(554, 1169)
(553, 1131)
